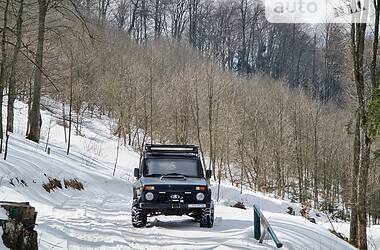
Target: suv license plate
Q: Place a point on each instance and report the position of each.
(196, 205)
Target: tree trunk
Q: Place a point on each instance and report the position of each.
(29, 106)
(144, 19)
(354, 187)
(193, 20)
(157, 19)
(12, 78)
(151, 103)
(34, 116)
(70, 108)
(363, 180)
(375, 46)
(134, 17)
(195, 113)
(2, 71)
(358, 33)
(117, 153)
(64, 120)
(210, 123)
(316, 167)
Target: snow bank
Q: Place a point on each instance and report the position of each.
(374, 237)
(230, 195)
(299, 233)
(373, 232)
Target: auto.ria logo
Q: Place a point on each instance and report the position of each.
(317, 11)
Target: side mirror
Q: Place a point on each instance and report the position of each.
(208, 173)
(136, 172)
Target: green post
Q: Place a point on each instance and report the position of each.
(256, 223)
(274, 237)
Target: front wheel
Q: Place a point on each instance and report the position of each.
(139, 216)
(207, 217)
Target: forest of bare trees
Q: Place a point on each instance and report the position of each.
(286, 109)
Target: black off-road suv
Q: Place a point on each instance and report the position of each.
(171, 181)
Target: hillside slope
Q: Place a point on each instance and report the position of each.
(99, 216)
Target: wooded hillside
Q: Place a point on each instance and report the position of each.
(272, 106)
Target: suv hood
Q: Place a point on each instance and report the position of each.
(173, 181)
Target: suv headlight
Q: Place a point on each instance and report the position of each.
(200, 196)
(149, 196)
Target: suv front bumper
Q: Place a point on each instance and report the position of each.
(163, 206)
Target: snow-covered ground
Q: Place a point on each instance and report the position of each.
(99, 216)
(373, 232)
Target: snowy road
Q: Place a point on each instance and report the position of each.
(110, 228)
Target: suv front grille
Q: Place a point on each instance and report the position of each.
(170, 197)
(174, 188)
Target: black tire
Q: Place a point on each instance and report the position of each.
(139, 216)
(207, 217)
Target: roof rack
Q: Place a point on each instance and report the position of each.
(171, 148)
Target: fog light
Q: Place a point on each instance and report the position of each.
(149, 196)
(200, 196)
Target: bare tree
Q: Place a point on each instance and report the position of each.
(358, 33)
(34, 116)
(2, 69)
(12, 77)
(121, 14)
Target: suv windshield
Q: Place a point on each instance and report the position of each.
(172, 166)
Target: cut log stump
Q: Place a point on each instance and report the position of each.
(18, 231)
